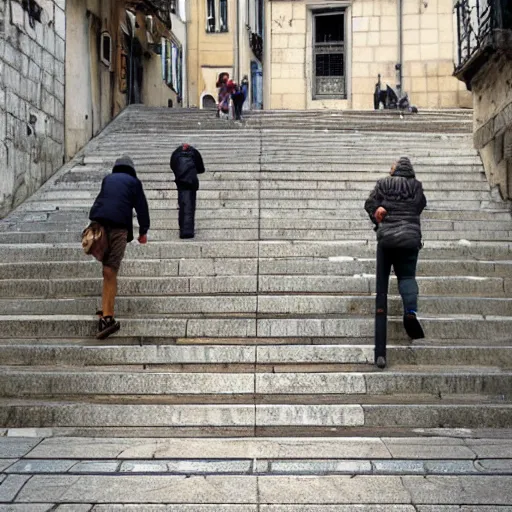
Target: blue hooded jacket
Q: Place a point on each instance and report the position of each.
(120, 193)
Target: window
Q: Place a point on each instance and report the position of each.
(223, 15)
(210, 16)
(329, 54)
(216, 15)
(106, 49)
(172, 57)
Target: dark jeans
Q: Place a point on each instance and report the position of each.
(404, 263)
(238, 103)
(186, 216)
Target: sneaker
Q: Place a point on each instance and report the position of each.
(107, 326)
(381, 362)
(412, 326)
(186, 235)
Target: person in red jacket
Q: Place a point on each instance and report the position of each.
(186, 164)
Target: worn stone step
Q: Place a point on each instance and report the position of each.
(130, 286)
(449, 285)
(294, 305)
(276, 223)
(472, 250)
(247, 266)
(441, 327)
(315, 234)
(154, 268)
(283, 356)
(31, 413)
(334, 266)
(60, 382)
(80, 215)
(237, 234)
(265, 284)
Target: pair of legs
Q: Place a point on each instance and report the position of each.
(404, 262)
(238, 108)
(187, 212)
(117, 241)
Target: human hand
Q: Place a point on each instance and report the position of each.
(379, 214)
(143, 239)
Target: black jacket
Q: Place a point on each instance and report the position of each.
(120, 193)
(401, 195)
(186, 164)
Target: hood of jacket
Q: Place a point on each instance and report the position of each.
(404, 168)
(125, 165)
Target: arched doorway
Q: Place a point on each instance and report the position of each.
(208, 102)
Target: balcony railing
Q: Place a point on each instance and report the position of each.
(476, 22)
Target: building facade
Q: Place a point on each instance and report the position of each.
(484, 58)
(211, 48)
(329, 53)
(117, 53)
(67, 67)
(224, 36)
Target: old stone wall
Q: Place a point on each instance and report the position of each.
(492, 96)
(32, 56)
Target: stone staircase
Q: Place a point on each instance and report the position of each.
(262, 325)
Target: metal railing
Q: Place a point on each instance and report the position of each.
(476, 21)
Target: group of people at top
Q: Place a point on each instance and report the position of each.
(230, 90)
(394, 206)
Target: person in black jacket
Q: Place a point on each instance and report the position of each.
(186, 164)
(120, 193)
(395, 206)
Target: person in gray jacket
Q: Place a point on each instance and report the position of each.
(395, 206)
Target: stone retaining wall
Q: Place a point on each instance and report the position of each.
(32, 55)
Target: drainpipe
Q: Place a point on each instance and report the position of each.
(237, 44)
(399, 65)
(185, 78)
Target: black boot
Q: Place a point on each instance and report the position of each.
(412, 326)
(381, 329)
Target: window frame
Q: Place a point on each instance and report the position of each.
(343, 51)
(214, 12)
(223, 11)
(108, 63)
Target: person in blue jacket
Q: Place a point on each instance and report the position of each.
(120, 193)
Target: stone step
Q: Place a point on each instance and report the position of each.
(54, 382)
(342, 250)
(449, 286)
(280, 358)
(212, 187)
(68, 218)
(275, 223)
(254, 233)
(307, 304)
(195, 267)
(437, 327)
(244, 418)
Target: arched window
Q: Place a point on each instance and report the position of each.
(209, 102)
